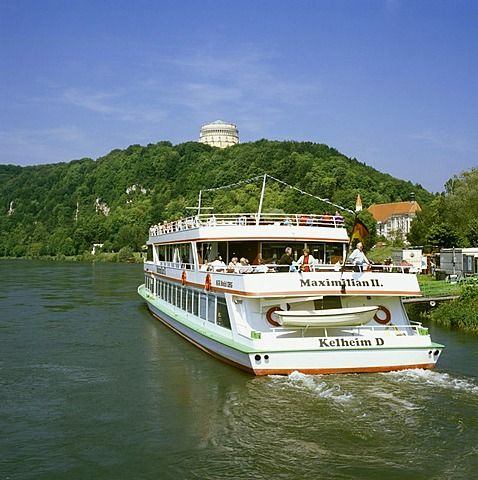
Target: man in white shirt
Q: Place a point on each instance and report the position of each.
(358, 257)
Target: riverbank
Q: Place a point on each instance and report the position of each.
(461, 312)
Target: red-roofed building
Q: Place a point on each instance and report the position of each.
(394, 219)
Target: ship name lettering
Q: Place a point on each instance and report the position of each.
(349, 282)
(223, 283)
(344, 342)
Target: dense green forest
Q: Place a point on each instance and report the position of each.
(62, 209)
(451, 219)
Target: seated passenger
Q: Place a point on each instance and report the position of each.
(326, 219)
(218, 265)
(261, 268)
(244, 266)
(232, 265)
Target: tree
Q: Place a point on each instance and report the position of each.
(61, 197)
(442, 235)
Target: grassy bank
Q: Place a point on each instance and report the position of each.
(461, 313)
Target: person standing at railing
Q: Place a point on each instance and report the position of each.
(358, 258)
(338, 217)
(305, 261)
(285, 260)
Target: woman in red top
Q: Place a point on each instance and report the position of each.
(306, 260)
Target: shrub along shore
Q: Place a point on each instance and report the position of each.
(461, 313)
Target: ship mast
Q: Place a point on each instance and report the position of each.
(262, 199)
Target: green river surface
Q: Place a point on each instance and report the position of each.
(93, 387)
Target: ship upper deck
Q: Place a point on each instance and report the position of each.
(251, 225)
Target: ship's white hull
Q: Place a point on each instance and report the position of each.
(379, 352)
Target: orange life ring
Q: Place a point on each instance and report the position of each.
(208, 282)
(269, 316)
(388, 315)
(183, 278)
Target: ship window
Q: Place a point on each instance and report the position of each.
(195, 300)
(211, 307)
(173, 294)
(203, 306)
(189, 301)
(161, 249)
(222, 318)
(183, 299)
(327, 302)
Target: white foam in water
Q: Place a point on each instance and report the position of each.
(315, 383)
(436, 379)
(392, 399)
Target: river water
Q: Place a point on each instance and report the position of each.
(93, 387)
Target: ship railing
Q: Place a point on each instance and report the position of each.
(362, 331)
(247, 219)
(275, 268)
(375, 268)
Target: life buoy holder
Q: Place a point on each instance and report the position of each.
(183, 278)
(379, 319)
(269, 316)
(208, 282)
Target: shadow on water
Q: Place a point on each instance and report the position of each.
(92, 386)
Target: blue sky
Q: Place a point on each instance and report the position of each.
(391, 83)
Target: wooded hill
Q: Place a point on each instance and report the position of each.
(64, 208)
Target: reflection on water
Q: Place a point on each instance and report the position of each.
(91, 386)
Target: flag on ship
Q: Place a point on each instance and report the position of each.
(359, 233)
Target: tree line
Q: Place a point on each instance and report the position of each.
(62, 209)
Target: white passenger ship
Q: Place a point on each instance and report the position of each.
(262, 319)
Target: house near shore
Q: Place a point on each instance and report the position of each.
(394, 219)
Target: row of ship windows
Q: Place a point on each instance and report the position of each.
(207, 306)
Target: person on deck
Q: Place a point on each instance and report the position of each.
(218, 264)
(232, 264)
(243, 266)
(285, 260)
(358, 258)
(305, 261)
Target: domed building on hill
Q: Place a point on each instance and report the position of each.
(219, 134)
